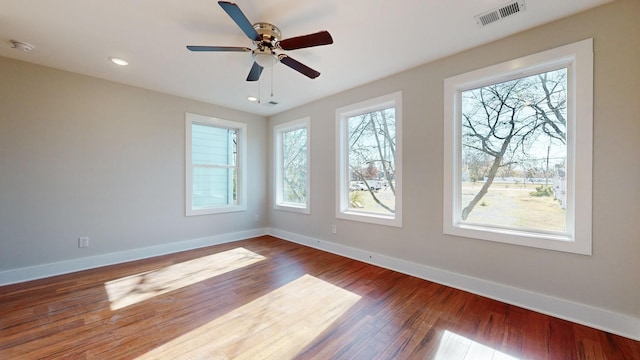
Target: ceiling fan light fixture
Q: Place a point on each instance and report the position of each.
(264, 57)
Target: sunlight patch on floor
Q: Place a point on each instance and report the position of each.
(457, 347)
(139, 287)
(277, 325)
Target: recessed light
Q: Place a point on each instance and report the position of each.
(252, 98)
(118, 61)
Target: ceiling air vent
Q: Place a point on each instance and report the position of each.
(494, 15)
(271, 103)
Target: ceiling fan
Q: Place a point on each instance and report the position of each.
(267, 40)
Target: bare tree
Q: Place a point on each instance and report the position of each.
(372, 150)
(294, 177)
(506, 121)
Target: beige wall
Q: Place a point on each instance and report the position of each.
(609, 279)
(83, 156)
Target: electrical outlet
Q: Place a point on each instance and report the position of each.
(257, 218)
(83, 241)
(333, 229)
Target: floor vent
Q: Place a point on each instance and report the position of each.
(494, 15)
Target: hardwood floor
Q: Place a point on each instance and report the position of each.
(266, 298)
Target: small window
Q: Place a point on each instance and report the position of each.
(518, 143)
(291, 145)
(370, 161)
(215, 177)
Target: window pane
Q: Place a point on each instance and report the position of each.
(212, 174)
(514, 153)
(371, 156)
(294, 166)
(213, 145)
(213, 186)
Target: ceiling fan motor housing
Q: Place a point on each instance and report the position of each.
(269, 34)
(263, 54)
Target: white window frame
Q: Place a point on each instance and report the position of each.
(278, 131)
(342, 159)
(241, 186)
(578, 59)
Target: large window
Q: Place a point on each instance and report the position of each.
(215, 176)
(291, 144)
(370, 161)
(518, 143)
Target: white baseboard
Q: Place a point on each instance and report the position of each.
(598, 318)
(68, 266)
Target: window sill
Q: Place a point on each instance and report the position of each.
(371, 218)
(217, 210)
(302, 209)
(548, 241)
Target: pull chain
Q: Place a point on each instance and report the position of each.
(259, 96)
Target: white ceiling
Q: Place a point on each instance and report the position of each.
(372, 39)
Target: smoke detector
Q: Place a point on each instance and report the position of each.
(500, 13)
(21, 45)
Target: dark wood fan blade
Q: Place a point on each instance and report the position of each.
(298, 66)
(254, 74)
(304, 41)
(236, 15)
(217, 48)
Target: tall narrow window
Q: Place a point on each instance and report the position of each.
(214, 158)
(370, 161)
(518, 151)
(291, 144)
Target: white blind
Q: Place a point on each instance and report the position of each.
(214, 166)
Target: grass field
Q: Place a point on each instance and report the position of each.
(512, 206)
(509, 205)
(365, 201)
